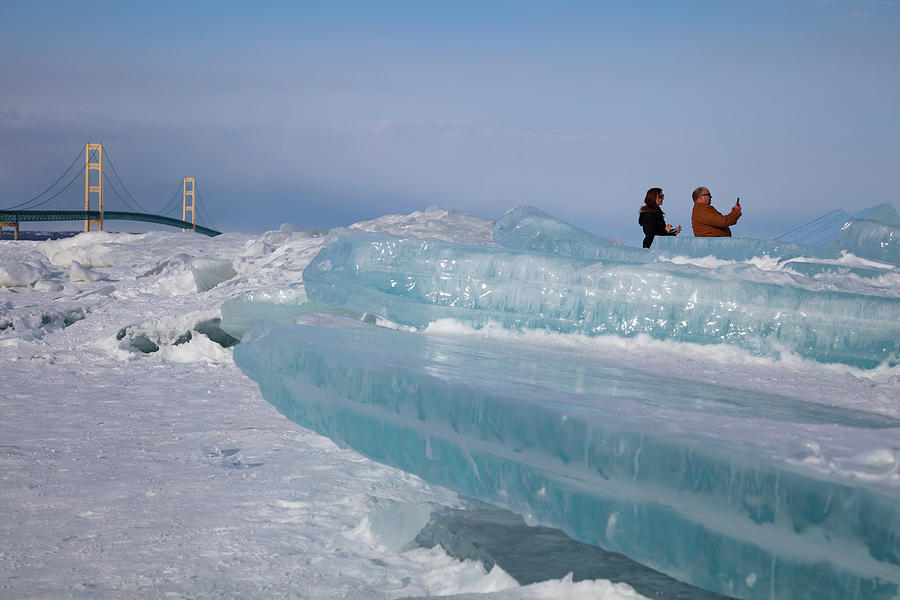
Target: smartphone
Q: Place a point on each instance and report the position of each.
(739, 201)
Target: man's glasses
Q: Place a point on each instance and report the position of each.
(706, 194)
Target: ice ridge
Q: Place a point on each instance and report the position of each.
(415, 282)
(692, 483)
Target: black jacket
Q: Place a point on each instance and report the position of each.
(654, 223)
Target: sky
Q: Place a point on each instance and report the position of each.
(324, 114)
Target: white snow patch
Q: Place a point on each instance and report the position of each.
(79, 273)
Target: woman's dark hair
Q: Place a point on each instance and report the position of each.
(650, 200)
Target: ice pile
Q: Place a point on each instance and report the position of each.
(744, 491)
(23, 269)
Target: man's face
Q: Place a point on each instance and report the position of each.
(705, 197)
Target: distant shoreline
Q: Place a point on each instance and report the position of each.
(39, 236)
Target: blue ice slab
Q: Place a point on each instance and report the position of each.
(883, 213)
(870, 239)
(527, 228)
(818, 231)
(415, 282)
(701, 482)
(869, 224)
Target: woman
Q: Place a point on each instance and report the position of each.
(652, 217)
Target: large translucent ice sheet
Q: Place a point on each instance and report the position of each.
(415, 282)
(706, 483)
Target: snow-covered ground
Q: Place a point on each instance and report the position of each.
(126, 474)
(130, 473)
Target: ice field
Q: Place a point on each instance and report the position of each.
(726, 412)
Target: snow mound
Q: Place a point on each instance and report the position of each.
(434, 223)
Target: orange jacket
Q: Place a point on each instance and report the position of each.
(708, 222)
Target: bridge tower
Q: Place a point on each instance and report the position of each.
(93, 161)
(189, 186)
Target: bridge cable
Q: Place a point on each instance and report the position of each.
(122, 183)
(172, 203)
(80, 153)
(116, 192)
(202, 217)
(205, 213)
(73, 180)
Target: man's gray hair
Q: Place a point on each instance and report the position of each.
(697, 192)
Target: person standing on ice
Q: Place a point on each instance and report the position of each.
(652, 217)
(707, 221)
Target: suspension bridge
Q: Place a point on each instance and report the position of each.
(96, 182)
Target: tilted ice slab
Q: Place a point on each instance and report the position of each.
(883, 213)
(825, 230)
(870, 239)
(528, 228)
(712, 485)
(820, 230)
(414, 282)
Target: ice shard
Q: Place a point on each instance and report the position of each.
(528, 228)
(414, 282)
(707, 483)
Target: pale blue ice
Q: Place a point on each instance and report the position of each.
(872, 233)
(712, 484)
(414, 282)
(704, 483)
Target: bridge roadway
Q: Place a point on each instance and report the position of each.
(10, 217)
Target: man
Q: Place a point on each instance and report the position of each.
(707, 221)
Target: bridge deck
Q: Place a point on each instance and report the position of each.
(13, 217)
